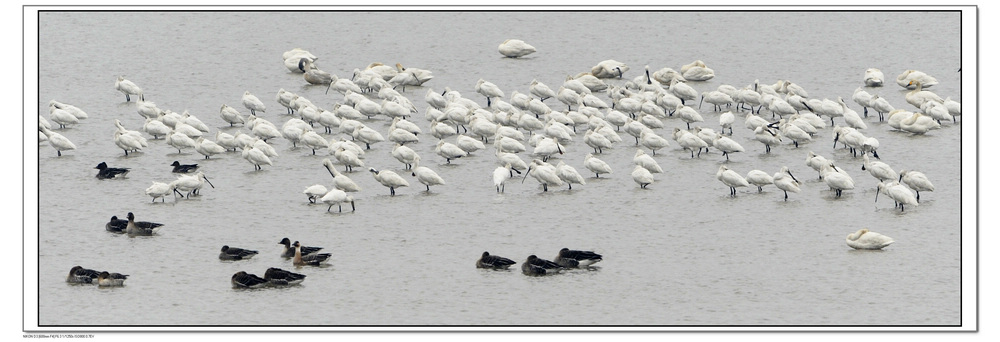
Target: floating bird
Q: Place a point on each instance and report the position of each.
(289, 251)
(389, 179)
(495, 262)
(280, 277)
(233, 253)
(183, 168)
(246, 280)
(697, 71)
(906, 79)
(106, 278)
(569, 258)
(916, 180)
(81, 275)
(864, 239)
(874, 77)
(117, 225)
(515, 48)
(731, 179)
(110, 172)
(535, 266)
(314, 259)
(133, 228)
(609, 69)
(128, 88)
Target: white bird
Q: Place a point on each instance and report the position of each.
(516, 163)
(916, 180)
(389, 179)
(489, 90)
(906, 79)
(881, 106)
(207, 147)
(851, 117)
(545, 174)
(897, 116)
(147, 109)
(731, 178)
(180, 141)
(500, 176)
(338, 197)
(716, 98)
(252, 103)
(591, 82)
(688, 115)
(646, 161)
(864, 239)
(689, 141)
(862, 98)
(836, 179)
(642, 176)
(609, 69)
(231, 116)
(367, 135)
(954, 107)
(128, 88)
(874, 77)
(727, 145)
(128, 140)
(62, 117)
(595, 165)
(785, 181)
(682, 91)
(879, 170)
(697, 71)
(937, 111)
(569, 174)
(348, 158)
(315, 192)
(759, 179)
(285, 98)
(918, 124)
(425, 175)
(538, 89)
(793, 132)
(768, 137)
(255, 156)
(313, 140)
(515, 48)
(450, 151)
(76, 112)
(547, 147)
(469, 144)
(159, 190)
(597, 141)
(190, 184)
(899, 193)
(917, 97)
(816, 162)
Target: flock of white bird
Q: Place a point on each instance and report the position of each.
(525, 121)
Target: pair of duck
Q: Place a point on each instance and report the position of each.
(106, 172)
(567, 258)
(131, 226)
(80, 275)
(303, 255)
(273, 276)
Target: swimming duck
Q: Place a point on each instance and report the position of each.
(110, 172)
(183, 168)
(233, 253)
(81, 275)
(244, 279)
(493, 261)
(118, 225)
(573, 258)
(290, 251)
(277, 276)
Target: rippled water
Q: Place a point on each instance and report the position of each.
(679, 253)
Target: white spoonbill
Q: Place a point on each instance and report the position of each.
(255, 156)
(879, 170)
(874, 77)
(595, 165)
(547, 147)
(864, 239)
(367, 135)
(338, 197)
(785, 181)
(682, 91)
(340, 181)
(646, 161)
(569, 174)
(716, 98)
(207, 147)
(190, 183)
(862, 98)
(689, 141)
(759, 179)
(768, 137)
(545, 173)
(449, 151)
(62, 117)
(793, 132)
(727, 145)
(652, 141)
(313, 140)
(425, 175)
(231, 116)
(954, 107)
(500, 176)
(597, 141)
(899, 193)
(835, 179)
(404, 155)
(515, 48)
(128, 88)
(76, 112)
(315, 192)
(816, 162)
(348, 158)
(469, 144)
(489, 90)
(253, 103)
(731, 178)
(159, 190)
(642, 176)
(881, 106)
(537, 89)
(516, 163)
(937, 110)
(285, 98)
(688, 115)
(916, 180)
(180, 141)
(389, 179)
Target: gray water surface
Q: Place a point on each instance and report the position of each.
(682, 252)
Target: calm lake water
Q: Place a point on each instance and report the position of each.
(680, 253)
